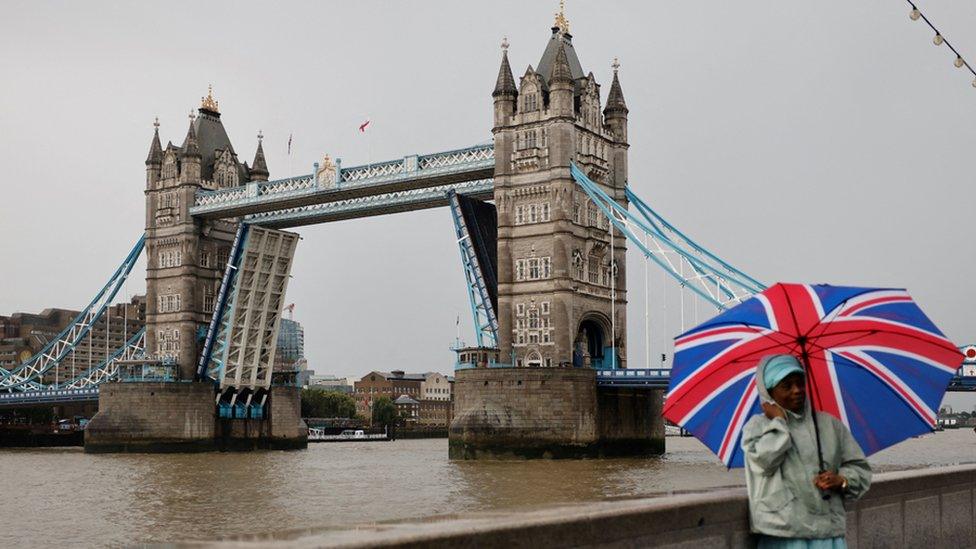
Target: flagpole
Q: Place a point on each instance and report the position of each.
(290, 172)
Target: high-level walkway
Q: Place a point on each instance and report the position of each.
(411, 183)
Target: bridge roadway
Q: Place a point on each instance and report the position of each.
(413, 183)
(648, 378)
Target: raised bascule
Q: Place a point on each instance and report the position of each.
(543, 217)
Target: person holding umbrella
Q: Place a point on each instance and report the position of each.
(795, 497)
(870, 364)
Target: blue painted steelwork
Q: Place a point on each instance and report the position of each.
(108, 369)
(482, 312)
(409, 173)
(225, 289)
(712, 279)
(960, 384)
(50, 396)
(662, 226)
(27, 376)
(653, 378)
(370, 205)
(214, 367)
(164, 372)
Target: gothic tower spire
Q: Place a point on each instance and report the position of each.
(505, 84)
(155, 149)
(615, 113)
(615, 101)
(190, 146)
(561, 86)
(259, 168)
(505, 93)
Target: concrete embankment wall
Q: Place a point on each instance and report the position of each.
(929, 508)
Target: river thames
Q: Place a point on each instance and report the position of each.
(58, 497)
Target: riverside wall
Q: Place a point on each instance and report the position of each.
(929, 508)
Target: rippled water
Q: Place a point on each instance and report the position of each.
(63, 496)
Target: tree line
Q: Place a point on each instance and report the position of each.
(320, 402)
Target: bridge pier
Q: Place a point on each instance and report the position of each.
(161, 417)
(525, 413)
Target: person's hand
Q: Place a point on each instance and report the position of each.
(829, 480)
(772, 411)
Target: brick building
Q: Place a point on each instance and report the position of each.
(22, 335)
(389, 384)
(431, 391)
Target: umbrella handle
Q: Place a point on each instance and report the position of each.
(813, 413)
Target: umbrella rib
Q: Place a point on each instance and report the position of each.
(825, 323)
(750, 356)
(892, 332)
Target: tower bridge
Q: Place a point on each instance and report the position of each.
(544, 265)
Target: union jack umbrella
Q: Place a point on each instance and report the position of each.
(873, 360)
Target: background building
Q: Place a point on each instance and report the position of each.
(22, 335)
(389, 384)
(291, 346)
(408, 409)
(332, 383)
(429, 394)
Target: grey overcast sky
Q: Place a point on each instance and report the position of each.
(802, 141)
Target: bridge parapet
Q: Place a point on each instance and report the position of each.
(373, 204)
(409, 173)
(655, 378)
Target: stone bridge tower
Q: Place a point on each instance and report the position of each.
(186, 257)
(558, 273)
(186, 261)
(556, 264)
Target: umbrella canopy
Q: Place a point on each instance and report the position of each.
(873, 360)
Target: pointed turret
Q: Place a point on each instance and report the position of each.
(505, 84)
(615, 101)
(155, 149)
(560, 69)
(154, 162)
(190, 156)
(561, 86)
(615, 113)
(505, 93)
(190, 146)
(259, 168)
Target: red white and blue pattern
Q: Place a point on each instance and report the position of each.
(876, 362)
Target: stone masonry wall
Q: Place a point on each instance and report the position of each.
(629, 421)
(523, 412)
(287, 427)
(154, 417)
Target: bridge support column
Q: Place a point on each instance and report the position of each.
(182, 417)
(152, 417)
(520, 413)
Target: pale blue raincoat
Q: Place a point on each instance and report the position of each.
(781, 463)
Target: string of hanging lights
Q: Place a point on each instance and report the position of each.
(939, 39)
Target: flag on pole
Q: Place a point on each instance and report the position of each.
(362, 127)
(289, 144)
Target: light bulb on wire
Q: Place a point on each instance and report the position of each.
(915, 14)
(937, 40)
(958, 62)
